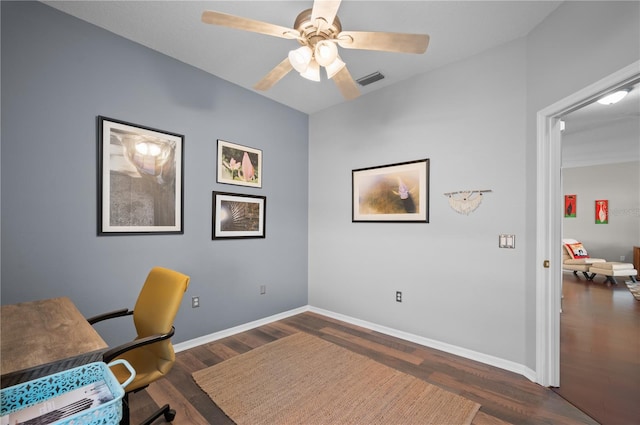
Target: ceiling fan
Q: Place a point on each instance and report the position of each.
(319, 30)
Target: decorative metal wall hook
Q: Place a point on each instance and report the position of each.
(465, 201)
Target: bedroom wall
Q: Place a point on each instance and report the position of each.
(620, 185)
(58, 74)
(468, 119)
(476, 121)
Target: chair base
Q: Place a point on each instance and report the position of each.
(169, 415)
(586, 275)
(166, 410)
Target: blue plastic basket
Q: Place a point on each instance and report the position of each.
(31, 393)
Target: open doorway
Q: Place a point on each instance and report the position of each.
(600, 320)
(549, 201)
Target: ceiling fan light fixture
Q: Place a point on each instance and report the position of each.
(300, 58)
(614, 97)
(312, 72)
(326, 52)
(334, 67)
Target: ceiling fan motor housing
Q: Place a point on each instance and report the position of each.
(311, 34)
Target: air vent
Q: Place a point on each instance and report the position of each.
(371, 78)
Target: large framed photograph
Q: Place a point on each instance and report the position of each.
(140, 179)
(239, 165)
(238, 216)
(391, 193)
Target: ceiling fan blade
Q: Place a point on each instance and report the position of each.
(325, 9)
(346, 85)
(246, 24)
(274, 75)
(384, 41)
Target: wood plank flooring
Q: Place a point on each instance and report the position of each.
(600, 349)
(506, 398)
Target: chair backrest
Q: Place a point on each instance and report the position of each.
(157, 306)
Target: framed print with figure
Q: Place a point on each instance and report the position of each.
(140, 179)
(239, 165)
(391, 193)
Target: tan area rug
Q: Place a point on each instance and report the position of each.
(634, 288)
(302, 379)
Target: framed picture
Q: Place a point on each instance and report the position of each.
(140, 179)
(391, 193)
(570, 206)
(238, 216)
(602, 211)
(239, 164)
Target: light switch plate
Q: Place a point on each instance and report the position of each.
(507, 241)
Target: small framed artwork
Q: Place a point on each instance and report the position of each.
(602, 211)
(238, 216)
(140, 179)
(239, 165)
(570, 206)
(391, 193)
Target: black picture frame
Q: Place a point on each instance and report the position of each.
(238, 216)
(239, 165)
(140, 179)
(391, 193)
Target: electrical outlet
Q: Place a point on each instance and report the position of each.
(399, 296)
(195, 302)
(263, 289)
(622, 257)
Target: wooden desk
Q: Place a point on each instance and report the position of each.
(43, 337)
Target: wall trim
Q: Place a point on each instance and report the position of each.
(438, 345)
(549, 220)
(205, 339)
(448, 348)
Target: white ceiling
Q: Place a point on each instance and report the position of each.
(458, 29)
(603, 134)
(596, 115)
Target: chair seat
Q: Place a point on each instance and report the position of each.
(614, 269)
(147, 371)
(582, 261)
(612, 265)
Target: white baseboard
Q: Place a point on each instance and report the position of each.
(205, 339)
(447, 348)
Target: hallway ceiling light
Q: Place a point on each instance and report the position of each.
(614, 97)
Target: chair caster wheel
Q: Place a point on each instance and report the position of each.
(170, 415)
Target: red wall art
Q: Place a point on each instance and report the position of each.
(602, 211)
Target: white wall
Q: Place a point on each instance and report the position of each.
(620, 185)
(458, 286)
(475, 120)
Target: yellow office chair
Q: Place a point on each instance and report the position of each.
(150, 353)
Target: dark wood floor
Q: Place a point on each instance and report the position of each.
(600, 349)
(505, 397)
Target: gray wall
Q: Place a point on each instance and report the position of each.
(476, 121)
(620, 185)
(58, 74)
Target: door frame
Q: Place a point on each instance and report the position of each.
(549, 219)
